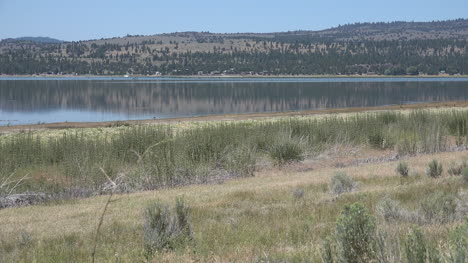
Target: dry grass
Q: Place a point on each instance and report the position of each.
(243, 220)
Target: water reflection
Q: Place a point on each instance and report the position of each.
(32, 101)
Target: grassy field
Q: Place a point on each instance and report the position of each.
(146, 157)
(257, 191)
(257, 219)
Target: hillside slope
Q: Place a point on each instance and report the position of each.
(39, 39)
(397, 48)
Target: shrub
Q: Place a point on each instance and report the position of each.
(377, 140)
(418, 250)
(402, 169)
(389, 209)
(355, 233)
(462, 204)
(456, 169)
(164, 229)
(439, 207)
(465, 175)
(341, 183)
(415, 246)
(286, 149)
(434, 169)
(298, 193)
(182, 213)
(459, 243)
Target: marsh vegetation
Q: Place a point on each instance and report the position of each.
(400, 209)
(151, 157)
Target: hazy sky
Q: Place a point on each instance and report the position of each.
(90, 19)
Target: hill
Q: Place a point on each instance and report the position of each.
(396, 48)
(39, 39)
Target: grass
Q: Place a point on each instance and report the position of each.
(244, 220)
(276, 207)
(150, 157)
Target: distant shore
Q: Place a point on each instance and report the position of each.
(232, 76)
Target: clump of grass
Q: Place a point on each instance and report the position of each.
(439, 207)
(402, 169)
(165, 229)
(341, 183)
(389, 209)
(377, 140)
(286, 149)
(455, 169)
(465, 175)
(462, 204)
(434, 169)
(392, 211)
(25, 238)
(459, 243)
(298, 193)
(415, 246)
(240, 160)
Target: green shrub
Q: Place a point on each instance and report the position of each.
(456, 169)
(434, 169)
(165, 229)
(286, 149)
(459, 243)
(355, 234)
(182, 213)
(341, 183)
(402, 169)
(389, 209)
(415, 246)
(439, 207)
(377, 140)
(465, 175)
(418, 250)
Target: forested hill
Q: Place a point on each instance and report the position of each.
(397, 48)
(39, 39)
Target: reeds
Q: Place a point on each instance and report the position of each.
(161, 156)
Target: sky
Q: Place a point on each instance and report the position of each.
(95, 19)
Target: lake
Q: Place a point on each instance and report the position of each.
(48, 100)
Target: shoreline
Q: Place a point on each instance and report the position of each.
(231, 117)
(231, 76)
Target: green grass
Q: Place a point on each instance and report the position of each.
(150, 157)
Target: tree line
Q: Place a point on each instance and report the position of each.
(278, 55)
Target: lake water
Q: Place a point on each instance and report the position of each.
(46, 100)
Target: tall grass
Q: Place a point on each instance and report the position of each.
(148, 157)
